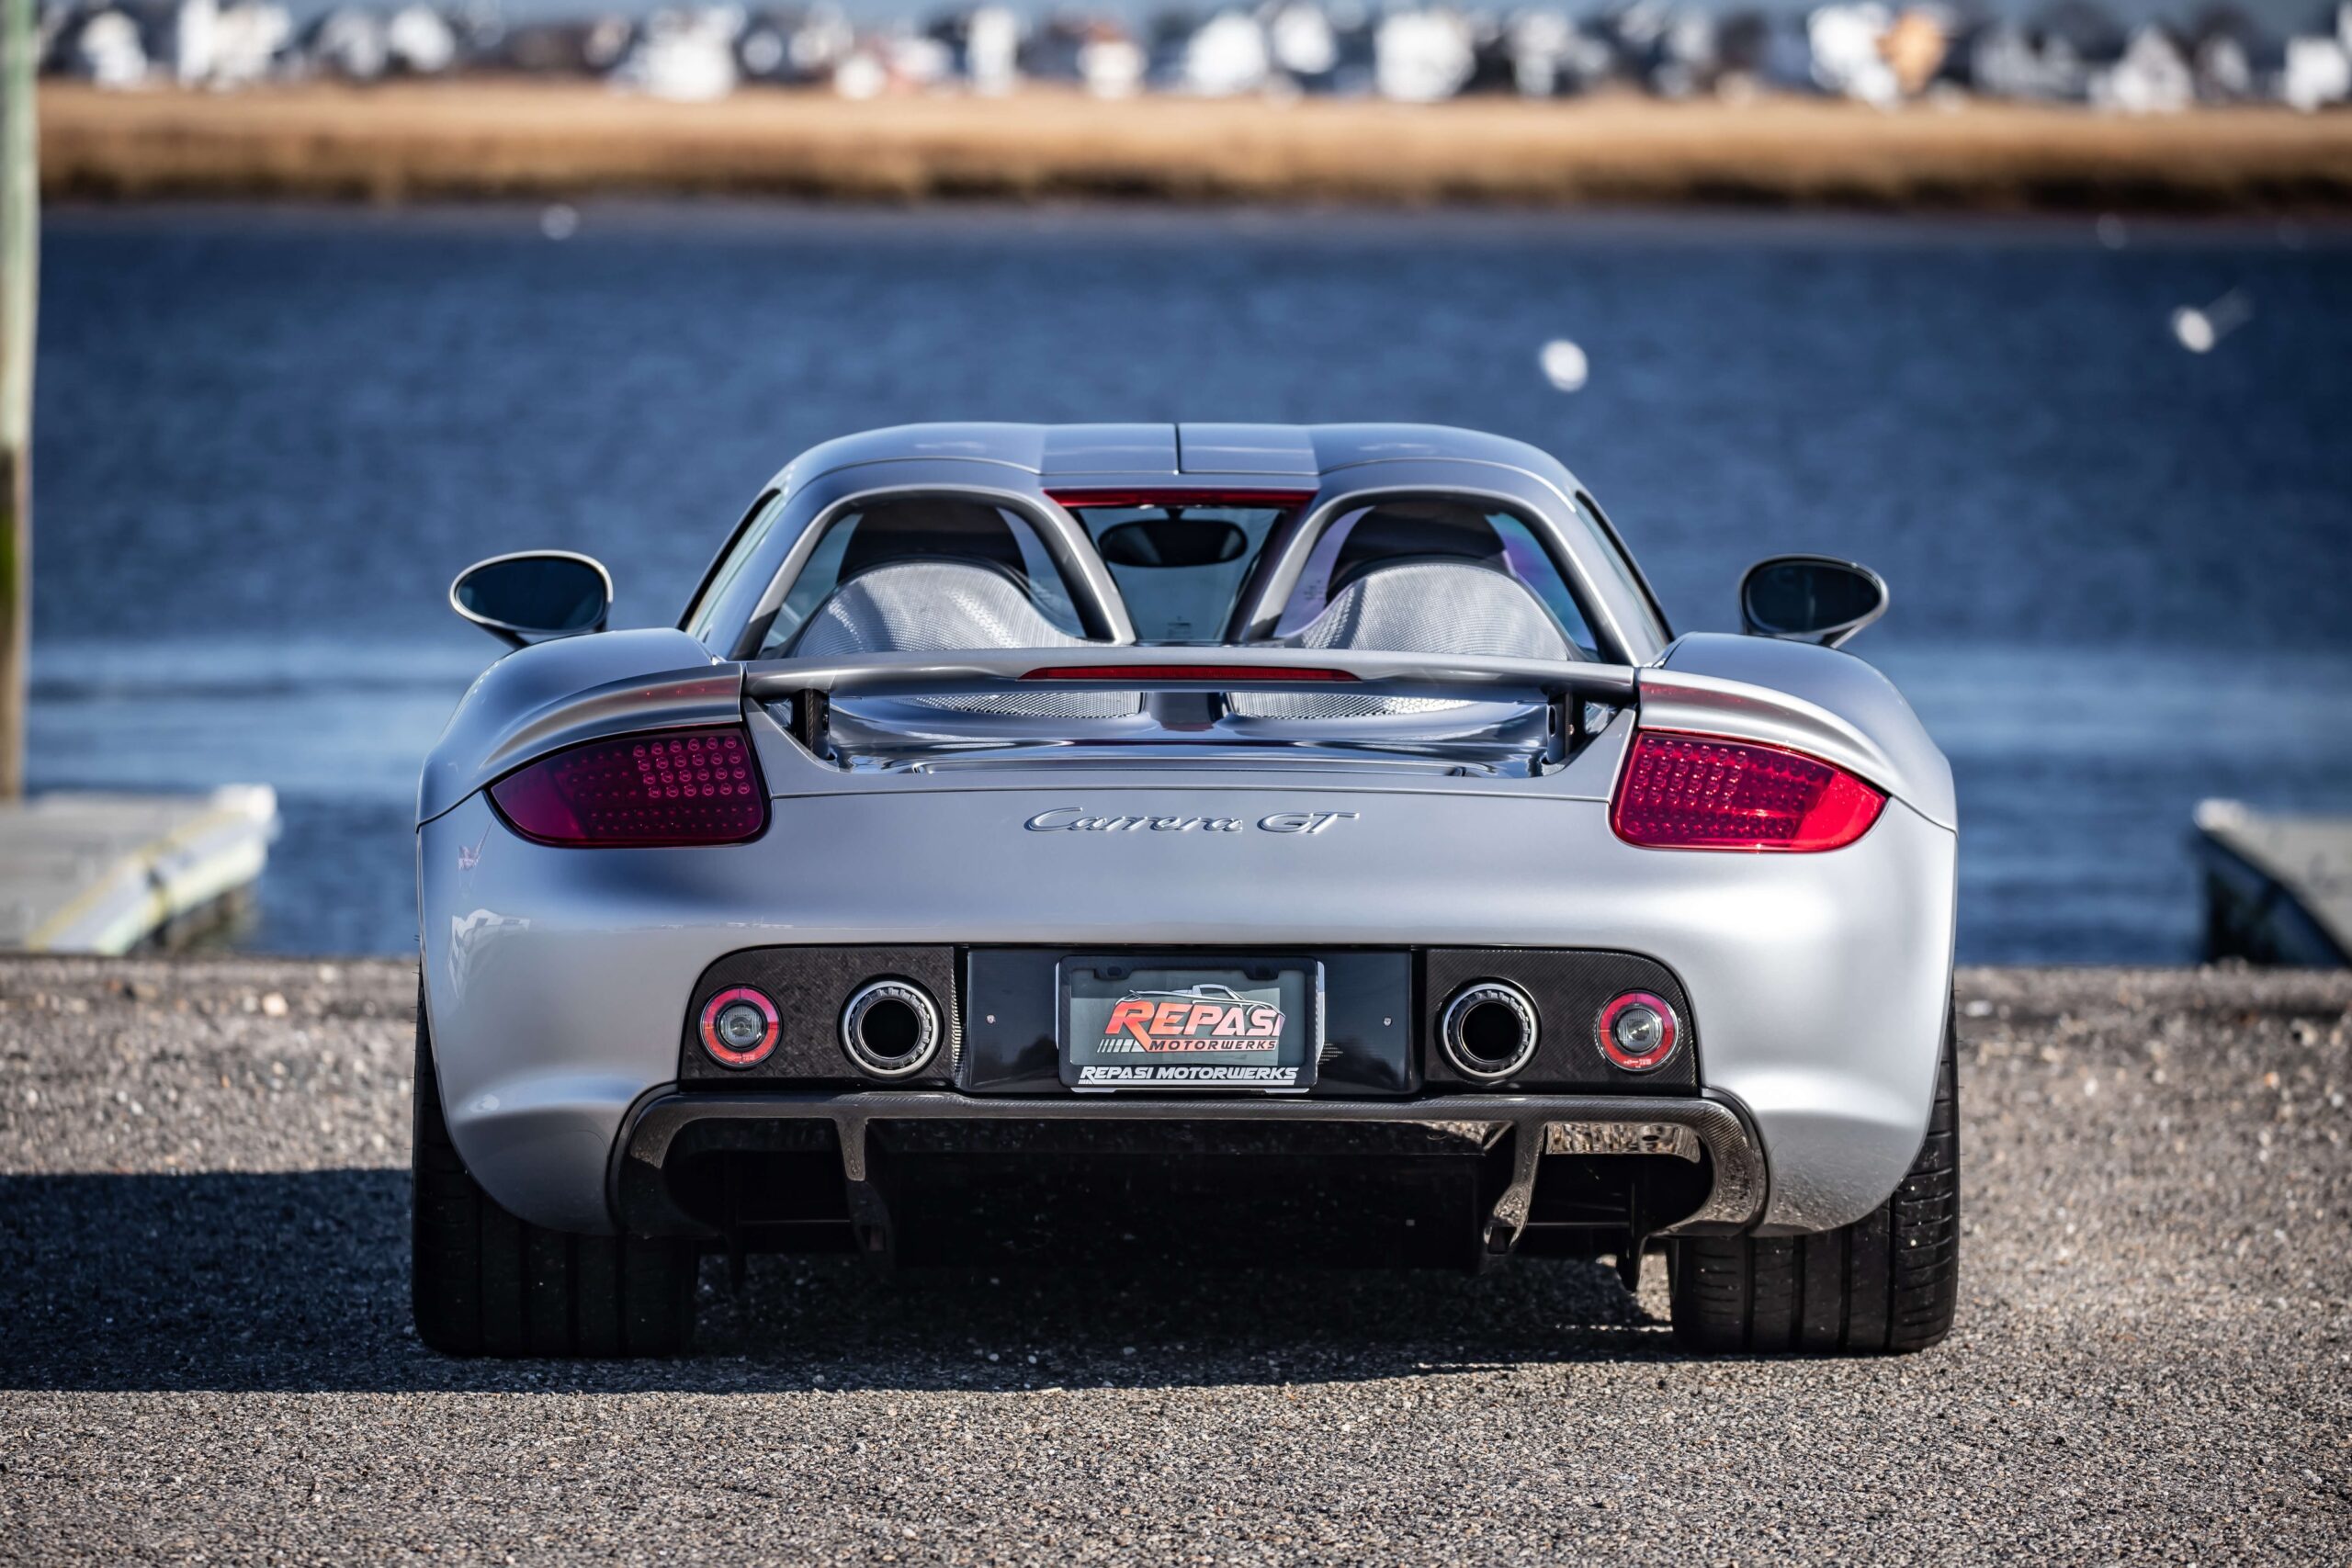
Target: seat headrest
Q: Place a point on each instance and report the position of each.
(1418, 606)
(945, 606)
(1437, 607)
(930, 528)
(927, 606)
(1417, 530)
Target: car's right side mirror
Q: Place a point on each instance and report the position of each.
(534, 594)
(1816, 599)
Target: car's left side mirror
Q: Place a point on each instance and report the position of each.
(1810, 599)
(534, 595)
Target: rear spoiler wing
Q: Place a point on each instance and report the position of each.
(1465, 677)
(580, 689)
(811, 685)
(1839, 709)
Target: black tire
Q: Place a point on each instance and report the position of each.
(485, 1283)
(1889, 1282)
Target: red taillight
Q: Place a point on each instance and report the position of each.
(1695, 792)
(1225, 675)
(697, 786)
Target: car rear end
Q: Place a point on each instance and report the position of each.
(1285, 842)
(1363, 1001)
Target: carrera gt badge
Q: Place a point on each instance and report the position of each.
(1074, 820)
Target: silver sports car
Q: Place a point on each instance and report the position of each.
(1071, 842)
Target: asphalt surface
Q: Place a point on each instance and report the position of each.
(205, 1351)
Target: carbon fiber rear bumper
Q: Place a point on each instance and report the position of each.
(1710, 1132)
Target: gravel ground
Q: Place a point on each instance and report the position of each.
(205, 1351)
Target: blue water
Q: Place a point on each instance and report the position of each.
(267, 439)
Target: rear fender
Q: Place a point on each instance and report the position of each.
(555, 694)
(1810, 699)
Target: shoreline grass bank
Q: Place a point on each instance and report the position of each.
(506, 140)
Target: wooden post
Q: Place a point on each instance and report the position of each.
(19, 264)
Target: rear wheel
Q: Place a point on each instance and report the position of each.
(483, 1282)
(1888, 1282)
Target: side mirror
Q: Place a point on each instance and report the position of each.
(535, 593)
(1810, 599)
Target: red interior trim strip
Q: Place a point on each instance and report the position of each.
(1231, 675)
(1090, 497)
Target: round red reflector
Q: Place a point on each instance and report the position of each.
(739, 1027)
(1638, 1030)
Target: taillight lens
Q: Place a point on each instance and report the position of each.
(1696, 792)
(697, 786)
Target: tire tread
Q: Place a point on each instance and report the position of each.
(1890, 1282)
(483, 1282)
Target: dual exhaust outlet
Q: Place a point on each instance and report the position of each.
(1490, 1028)
(890, 1028)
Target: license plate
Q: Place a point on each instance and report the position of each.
(1128, 1023)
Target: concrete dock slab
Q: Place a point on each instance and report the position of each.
(2277, 888)
(101, 873)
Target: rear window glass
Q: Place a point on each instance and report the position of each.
(1653, 621)
(1391, 531)
(936, 528)
(1179, 568)
(702, 621)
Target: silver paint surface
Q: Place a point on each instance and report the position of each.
(558, 979)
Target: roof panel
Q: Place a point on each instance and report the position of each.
(1017, 445)
(1108, 449)
(1344, 446)
(1246, 449)
(1288, 451)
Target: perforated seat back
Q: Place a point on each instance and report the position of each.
(1422, 606)
(947, 606)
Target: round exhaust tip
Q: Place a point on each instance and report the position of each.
(891, 1029)
(738, 1028)
(1487, 1031)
